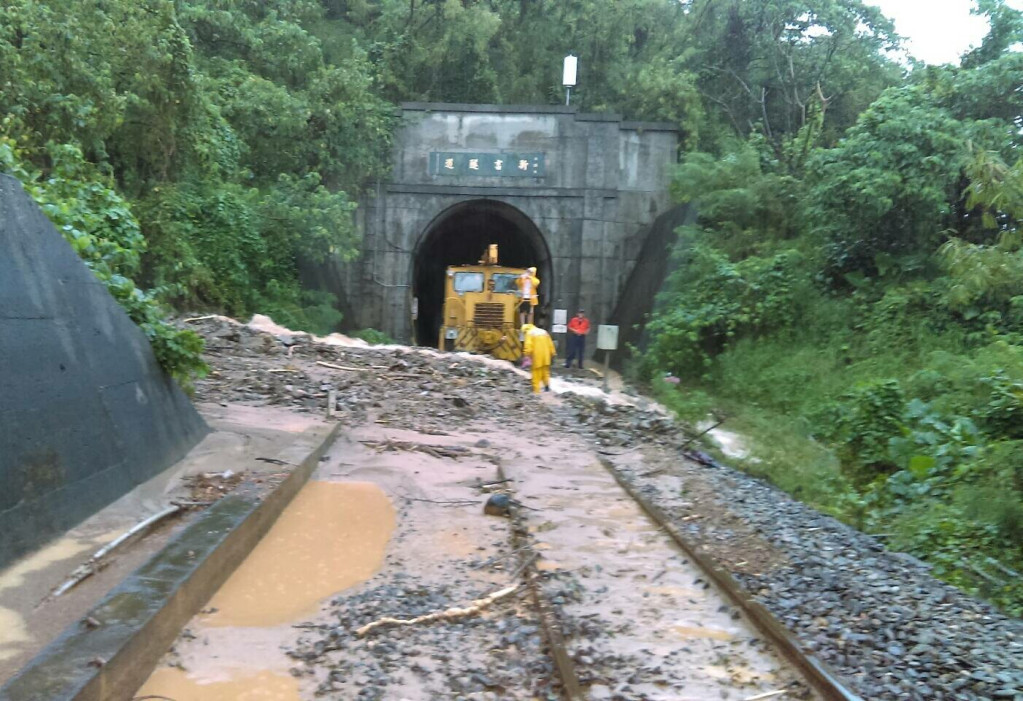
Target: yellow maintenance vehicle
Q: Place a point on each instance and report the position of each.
(481, 308)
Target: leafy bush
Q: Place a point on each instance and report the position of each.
(373, 336)
(711, 302)
(862, 424)
(301, 310)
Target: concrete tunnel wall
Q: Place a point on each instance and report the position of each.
(603, 183)
(86, 413)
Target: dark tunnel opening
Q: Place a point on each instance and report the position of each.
(459, 236)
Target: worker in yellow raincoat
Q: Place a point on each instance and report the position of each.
(528, 284)
(538, 346)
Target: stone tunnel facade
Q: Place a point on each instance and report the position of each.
(573, 194)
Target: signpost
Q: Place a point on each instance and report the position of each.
(607, 341)
(560, 319)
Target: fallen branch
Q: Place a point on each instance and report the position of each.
(437, 451)
(768, 695)
(533, 557)
(200, 318)
(622, 452)
(655, 471)
(700, 435)
(450, 614)
(94, 564)
(480, 485)
(338, 367)
(452, 502)
(274, 461)
(496, 558)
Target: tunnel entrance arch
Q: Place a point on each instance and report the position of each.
(458, 236)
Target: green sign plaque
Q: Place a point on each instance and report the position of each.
(489, 165)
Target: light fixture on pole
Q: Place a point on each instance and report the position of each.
(568, 76)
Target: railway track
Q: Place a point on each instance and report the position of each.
(607, 604)
(823, 680)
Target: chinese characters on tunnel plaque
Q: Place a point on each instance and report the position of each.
(501, 165)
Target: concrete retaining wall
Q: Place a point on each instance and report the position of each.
(86, 414)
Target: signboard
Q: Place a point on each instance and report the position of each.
(559, 328)
(607, 337)
(560, 316)
(488, 165)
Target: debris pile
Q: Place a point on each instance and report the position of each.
(208, 487)
(401, 387)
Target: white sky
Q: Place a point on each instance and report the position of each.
(936, 31)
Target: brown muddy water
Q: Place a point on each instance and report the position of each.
(332, 536)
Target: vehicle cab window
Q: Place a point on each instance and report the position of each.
(468, 282)
(504, 282)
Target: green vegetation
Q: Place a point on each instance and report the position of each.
(373, 337)
(856, 305)
(193, 152)
(852, 293)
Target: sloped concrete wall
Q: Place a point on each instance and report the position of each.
(639, 297)
(86, 414)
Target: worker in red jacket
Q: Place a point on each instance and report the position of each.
(578, 327)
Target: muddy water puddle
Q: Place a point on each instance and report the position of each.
(263, 686)
(331, 537)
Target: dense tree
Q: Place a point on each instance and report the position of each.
(864, 291)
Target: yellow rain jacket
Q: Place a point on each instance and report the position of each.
(538, 345)
(528, 285)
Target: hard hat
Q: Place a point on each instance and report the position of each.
(532, 270)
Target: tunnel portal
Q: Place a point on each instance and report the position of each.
(459, 236)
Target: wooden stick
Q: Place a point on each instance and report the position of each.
(768, 695)
(338, 367)
(447, 615)
(655, 471)
(200, 318)
(623, 452)
(700, 435)
(453, 502)
(94, 564)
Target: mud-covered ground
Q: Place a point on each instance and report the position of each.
(878, 618)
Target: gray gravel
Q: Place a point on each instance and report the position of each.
(496, 655)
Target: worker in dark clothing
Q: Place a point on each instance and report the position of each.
(578, 327)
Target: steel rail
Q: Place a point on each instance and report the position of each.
(820, 677)
(570, 686)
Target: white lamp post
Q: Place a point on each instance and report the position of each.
(568, 76)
